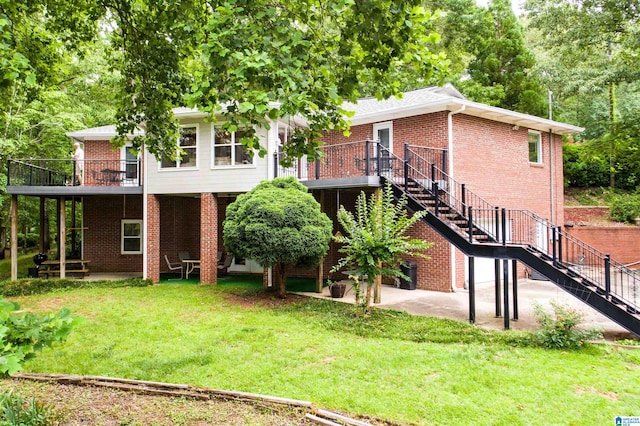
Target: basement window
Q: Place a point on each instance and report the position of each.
(131, 236)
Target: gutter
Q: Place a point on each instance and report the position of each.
(450, 170)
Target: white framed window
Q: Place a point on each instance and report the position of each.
(188, 141)
(535, 147)
(383, 132)
(227, 149)
(131, 236)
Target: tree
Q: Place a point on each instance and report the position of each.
(501, 71)
(375, 237)
(595, 46)
(278, 224)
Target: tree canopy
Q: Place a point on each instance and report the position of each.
(278, 224)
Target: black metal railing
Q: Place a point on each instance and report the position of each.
(52, 172)
(452, 201)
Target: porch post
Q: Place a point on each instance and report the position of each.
(320, 275)
(505, 273)
(496, 271)
(62, 232)
(208, 238)
(472, 290)
(42, 225)
(153, 238)
(14, 237)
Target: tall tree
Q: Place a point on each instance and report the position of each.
(596, 49)
(501, 71)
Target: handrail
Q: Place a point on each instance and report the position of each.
(526, 229)
(70, 172)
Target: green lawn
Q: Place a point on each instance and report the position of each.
(390, 365)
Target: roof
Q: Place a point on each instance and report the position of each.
(446, 98)
(94, 133)
(412, 103)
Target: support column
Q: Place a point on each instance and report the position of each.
(505, 273)
(472, 290)
(62, 232)
(14, 237)
(153, 238)
(496, 271)
(514, 277)
(42, 225)
(208, 238)
(320, 276)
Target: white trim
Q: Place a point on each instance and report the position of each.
(539, 147)
(145, 215)
(233, 145)
(381, 126)
(197, 147)
(124, 222)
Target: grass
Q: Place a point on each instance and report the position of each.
(25, 261)
(390, 365)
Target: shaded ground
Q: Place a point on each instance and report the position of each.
(79, 405)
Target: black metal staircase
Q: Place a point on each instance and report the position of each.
(479, 229)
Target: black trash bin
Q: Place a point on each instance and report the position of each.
(410, 269)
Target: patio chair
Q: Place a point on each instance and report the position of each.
(174, 266)
(223, 267)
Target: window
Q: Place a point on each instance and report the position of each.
(227, 149)
(189, 143)
(131, 236)
(535, 147)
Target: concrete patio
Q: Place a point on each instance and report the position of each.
(456, 305)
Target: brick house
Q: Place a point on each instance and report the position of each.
(135, 210)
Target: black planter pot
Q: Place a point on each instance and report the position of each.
(337, 290)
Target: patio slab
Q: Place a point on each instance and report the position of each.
(455, 305)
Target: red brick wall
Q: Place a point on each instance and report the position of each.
(621, 242)
(179, 227)
(102, 220)
(492, 159)
(209, 239)
(585, 214)
(153, 238)
(100, 155)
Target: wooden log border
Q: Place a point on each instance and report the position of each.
(315, 414)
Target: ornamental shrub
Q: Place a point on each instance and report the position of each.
(560, 329)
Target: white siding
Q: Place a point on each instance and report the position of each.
(204, 177)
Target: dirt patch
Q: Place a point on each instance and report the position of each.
(612, 396)
(80, 405)
(262, 298)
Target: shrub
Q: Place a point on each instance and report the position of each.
(625, 208)
(559, 331)
(29, 286)
(23, 334)
(14, 410)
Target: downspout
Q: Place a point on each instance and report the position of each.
(145, 216)
(450, 173)
(552, 194)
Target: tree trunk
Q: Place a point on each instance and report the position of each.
(377, 290)
(280, 272)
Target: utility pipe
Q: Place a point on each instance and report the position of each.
(450, 173)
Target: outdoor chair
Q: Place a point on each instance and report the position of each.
(174, 266)
(223, 267)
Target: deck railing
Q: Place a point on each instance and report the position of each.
(52, 172)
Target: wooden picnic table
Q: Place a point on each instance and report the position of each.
(72, 267)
